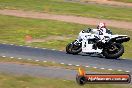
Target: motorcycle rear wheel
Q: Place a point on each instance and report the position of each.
(115, 53)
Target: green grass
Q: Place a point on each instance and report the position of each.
(20, 81)
(68, 8)
(14, 29)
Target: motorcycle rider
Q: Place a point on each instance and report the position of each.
(99, 33)
(102, 30)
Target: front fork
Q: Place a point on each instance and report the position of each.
(77, 42)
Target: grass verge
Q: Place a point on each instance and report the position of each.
(14, 29)
(68, 8)
(13, 81)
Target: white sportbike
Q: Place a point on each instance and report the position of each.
(106, 45)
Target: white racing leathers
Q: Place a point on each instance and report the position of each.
(102, 34)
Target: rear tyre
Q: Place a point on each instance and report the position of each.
(114, 51)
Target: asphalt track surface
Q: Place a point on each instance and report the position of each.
(37, 71)
(62, 57)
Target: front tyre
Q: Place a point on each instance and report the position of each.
(69, 48)
(113, 51)
(73, 49)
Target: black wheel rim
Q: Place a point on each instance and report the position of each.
(113, 49)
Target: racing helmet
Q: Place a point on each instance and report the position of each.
(101, 25)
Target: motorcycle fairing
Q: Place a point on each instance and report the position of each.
(87, 47)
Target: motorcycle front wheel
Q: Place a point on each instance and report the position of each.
(73, 49)
(113, 51)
